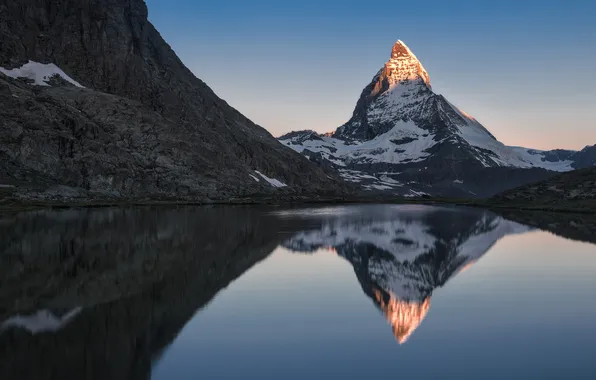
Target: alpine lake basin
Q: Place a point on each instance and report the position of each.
(321, 292)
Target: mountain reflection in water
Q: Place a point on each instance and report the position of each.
(400, 258)
(102, 293)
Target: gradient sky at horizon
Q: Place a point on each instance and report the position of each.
(525, 69)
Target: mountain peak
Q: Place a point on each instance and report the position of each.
(400, 49)
(404, 66)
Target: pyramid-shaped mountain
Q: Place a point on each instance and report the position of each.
(406, 139)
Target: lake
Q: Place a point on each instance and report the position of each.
(347, 292)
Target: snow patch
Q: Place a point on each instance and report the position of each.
(42, 321)
(272, 181)
(414, 194)
(378, 187)
(39, 73)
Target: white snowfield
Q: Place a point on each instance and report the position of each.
(39, 73)
(380, 149)
(408, 97)
(408, 143)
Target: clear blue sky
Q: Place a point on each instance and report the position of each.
(525, 69)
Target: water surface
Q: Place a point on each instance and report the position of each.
(353, 292)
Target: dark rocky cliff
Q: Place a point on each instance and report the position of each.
(144, 126)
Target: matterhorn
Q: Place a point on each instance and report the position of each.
(405, 139)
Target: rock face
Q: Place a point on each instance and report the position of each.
(405, 139)
(585, 158)
(95, 104)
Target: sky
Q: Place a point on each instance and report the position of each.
(525, 69)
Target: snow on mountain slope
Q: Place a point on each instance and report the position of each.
(537, 158)
(479, 137)
(405, 142)
(40, 74)
(272, 181)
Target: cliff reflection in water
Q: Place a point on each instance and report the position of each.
(402, 254)
(100, 293)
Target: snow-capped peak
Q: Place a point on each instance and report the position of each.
(403, 66)
(401, 50)
(405, 139)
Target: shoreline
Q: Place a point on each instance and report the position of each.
(480, 203)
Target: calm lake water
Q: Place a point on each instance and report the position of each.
(347, 292)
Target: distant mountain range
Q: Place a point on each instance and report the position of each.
(405, 139)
